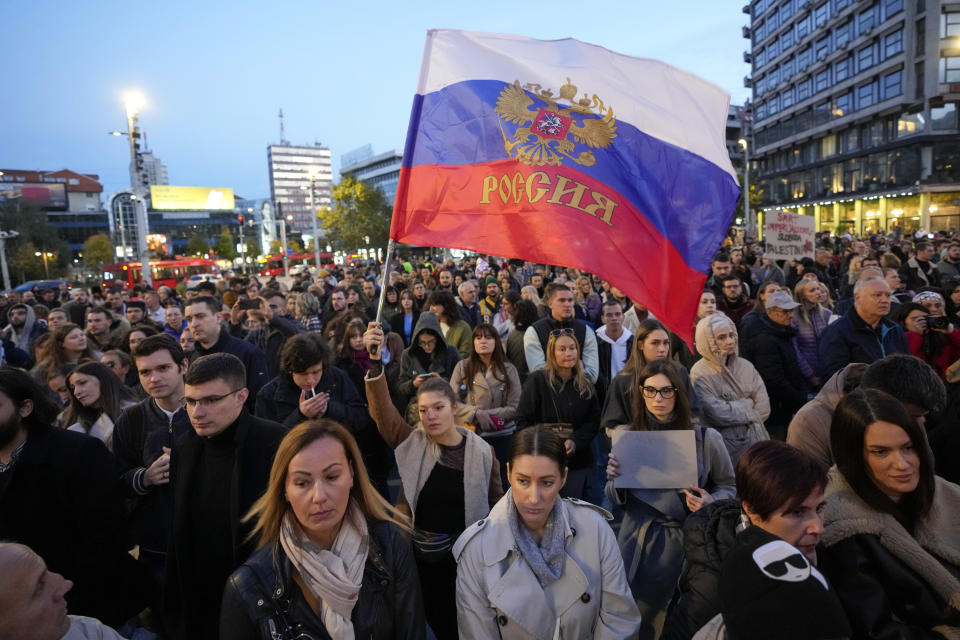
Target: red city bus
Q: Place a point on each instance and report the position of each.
(272, 265)
(163, 272)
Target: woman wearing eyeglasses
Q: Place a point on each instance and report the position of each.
(333, 560)
(651, 539)
(560, 396)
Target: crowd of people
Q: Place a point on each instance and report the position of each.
(288, 460)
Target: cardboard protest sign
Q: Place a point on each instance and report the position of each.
(788, 236)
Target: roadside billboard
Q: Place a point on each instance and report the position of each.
(50, 196)
(168, 198)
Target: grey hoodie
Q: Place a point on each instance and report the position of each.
(414, 361)
(26, 336)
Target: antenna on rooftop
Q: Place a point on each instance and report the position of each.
(283, 137)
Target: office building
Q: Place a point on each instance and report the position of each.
(290, 169)
(71, 200)
(154, 169)
(855, 111)
(377, 171)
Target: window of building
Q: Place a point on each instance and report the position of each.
(787, 98)
(891, 7)
(944, 118)
(821, 48)
(909, 124)
(920, 37)
(74, 181)
(828, 146)
(821, 81)
(950, 24)
(866, 20)
(892, 85)
(787, 69)
(804, 89)
(843, 104)
(773, 50)
(892, 43)
(866, 95)
(866, 57)
(842, 34)
(918, 73)
(840, 5)
(786, 40)
(804, 58)
(821, 14)
(851, 140)
(803, 26)
(950, 69)
(842, 69)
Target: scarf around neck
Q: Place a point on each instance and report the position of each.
(333, 577)
(546, 559)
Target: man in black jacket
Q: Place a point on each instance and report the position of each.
(217, 471)
(143, 438)
(203, 320)
(771, 352)
(59, 496)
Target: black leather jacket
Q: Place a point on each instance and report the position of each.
(261, 597)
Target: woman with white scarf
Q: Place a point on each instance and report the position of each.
(731, 394)
(540, 566)
(333, 561)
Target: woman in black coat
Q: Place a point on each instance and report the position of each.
(333, 562)
(891, 527)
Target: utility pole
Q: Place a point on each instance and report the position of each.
(4, 236)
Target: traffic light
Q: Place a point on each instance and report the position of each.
(240, 219)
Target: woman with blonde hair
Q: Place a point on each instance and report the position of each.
(810, 319)
(587, 298)
(334, 560)
(529, 292)
(560, 396)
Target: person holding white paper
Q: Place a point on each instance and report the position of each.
(651, 540)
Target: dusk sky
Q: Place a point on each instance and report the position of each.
(215, 74)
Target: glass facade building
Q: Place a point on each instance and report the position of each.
(378, 171)
(855, 111)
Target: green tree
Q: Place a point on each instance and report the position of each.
(275, 246)
(225, 247)
(24, 263)
(253, 248)
(197, 245)
(357, 212)
(97, 251)
(294, 245)
(38, 232)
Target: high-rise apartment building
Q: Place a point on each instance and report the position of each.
(155, 169)
(290, 169)
(378, 171)
(855, 111)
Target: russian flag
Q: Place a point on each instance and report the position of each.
(566, 153)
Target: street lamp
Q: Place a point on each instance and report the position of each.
(751, 221)
(313, 219)
(44, 255)
(283, 244)
(133, 101)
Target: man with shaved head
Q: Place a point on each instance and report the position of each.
(32, 603)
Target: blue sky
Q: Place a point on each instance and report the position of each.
(215, 73)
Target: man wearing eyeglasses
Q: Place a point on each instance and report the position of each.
(771, 351)
(217, 471)
(560, 301)
(734, 302)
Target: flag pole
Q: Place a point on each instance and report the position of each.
(384, 280)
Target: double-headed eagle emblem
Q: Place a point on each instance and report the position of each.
(544, 134)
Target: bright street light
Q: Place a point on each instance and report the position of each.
(743, 143)
(133, 101)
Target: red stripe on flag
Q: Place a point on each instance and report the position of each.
(552, 215)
